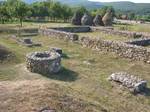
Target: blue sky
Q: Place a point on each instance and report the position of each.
(136, 1)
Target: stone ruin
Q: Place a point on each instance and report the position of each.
(87, 20)
(28, 42)
(43, 62)
(135, 84)
(98, 21)
(56, 49)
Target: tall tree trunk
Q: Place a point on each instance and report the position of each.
(21, 22)
(3, 20)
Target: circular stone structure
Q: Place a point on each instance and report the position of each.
(43, 62)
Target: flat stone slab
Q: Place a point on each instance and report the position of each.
(56, 49)
(29, 43)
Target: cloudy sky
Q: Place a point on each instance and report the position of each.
(136, 1)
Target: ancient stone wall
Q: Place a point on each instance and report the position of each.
(129, 34)
(73, 29)
(125, 50)
(140, 42)
(59, 34)
(135, 84)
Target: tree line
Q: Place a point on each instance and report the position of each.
(12, 10)
(18, 10)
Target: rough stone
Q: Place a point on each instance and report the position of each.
(130, 34)
(28, 42)
(140, 42)
(59, 34)
(136, 84)
(122, 49)
(43, 62)
(56, 49)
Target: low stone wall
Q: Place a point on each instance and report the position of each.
(59, 34)
(43, 62)
(140, 42)
(77, 29)
(121, 33)
(23, 30)
(125, 50)
(135, 84)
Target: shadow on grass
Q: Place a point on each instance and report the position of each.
(65, 56)
(146, 92)
(29, 35)
(63, 75)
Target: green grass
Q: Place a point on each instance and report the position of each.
(103, 36)
(32, 25)
(136, 27)
(85, 83)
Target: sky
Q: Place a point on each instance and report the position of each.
(136, 1)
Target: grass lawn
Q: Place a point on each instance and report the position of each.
(78, 87)
(103, 36)
(135, 27)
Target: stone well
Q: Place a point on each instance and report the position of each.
(43, 62)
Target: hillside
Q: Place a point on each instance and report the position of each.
(139, 8)
(85, 3)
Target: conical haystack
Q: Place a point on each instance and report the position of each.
(87, 20)
(107, 19)
(76, 19)
(98, 21)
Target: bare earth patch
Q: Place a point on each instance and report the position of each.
(33, 96)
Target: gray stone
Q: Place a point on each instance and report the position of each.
(56, 49)
(27, 41)
(135, 84)
(43, 62)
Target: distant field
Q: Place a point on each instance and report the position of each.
(81, 86)
(33, 25)
(101, 35)
(135, 27)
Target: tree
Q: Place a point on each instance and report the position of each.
(131, 15)
(66, 12)
(20, 9)
(81, 10)
(4, 12)
(102, 11)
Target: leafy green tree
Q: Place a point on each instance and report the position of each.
(131, 15)
(66, 12)
(22, 10)
(102, 11)
(80, 10)
(4, 12)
